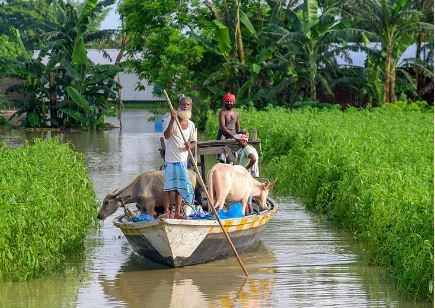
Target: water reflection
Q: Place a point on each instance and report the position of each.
(217, 284)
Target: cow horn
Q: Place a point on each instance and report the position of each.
(115, 193)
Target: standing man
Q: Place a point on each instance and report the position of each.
(229, 122)
(248, 159)
(176, 153)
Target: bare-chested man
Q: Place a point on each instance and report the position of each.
(229, 122)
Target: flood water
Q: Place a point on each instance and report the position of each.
(301, 261)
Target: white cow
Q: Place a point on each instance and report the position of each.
(228, 184)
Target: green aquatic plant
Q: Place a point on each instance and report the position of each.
(47, 204)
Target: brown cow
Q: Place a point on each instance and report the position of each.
(146, 190)
(229, 184)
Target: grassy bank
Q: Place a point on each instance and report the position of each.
(47, 204)
(369, 172)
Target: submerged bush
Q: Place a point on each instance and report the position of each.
(47, 204)
(369, 172)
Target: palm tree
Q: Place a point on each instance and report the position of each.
(393, 24)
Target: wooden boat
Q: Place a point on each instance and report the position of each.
(177, 242)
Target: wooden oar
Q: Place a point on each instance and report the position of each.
(201, 182)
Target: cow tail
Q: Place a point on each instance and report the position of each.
(210, 189)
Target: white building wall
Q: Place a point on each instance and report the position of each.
(128, 80)
(129, 91)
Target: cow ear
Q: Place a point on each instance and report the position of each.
(269, 184)
(272, 183)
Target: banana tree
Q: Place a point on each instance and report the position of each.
(72, 23)
(88, 89)
(32, 72)
(309, 43)
(72, 29)
(236, 67)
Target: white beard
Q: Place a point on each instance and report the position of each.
(184, 114)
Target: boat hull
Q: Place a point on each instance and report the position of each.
(179, 243)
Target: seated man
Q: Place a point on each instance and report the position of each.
(248, 159)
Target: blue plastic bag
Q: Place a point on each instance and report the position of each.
(142, 217)
(235, 210)
(202, 215)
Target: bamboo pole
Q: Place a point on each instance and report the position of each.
(201, 182)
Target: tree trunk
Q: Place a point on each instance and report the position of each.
(53, 101)
(420, 39)
(313, 73)
(240, 51)
(387, 84)
(393, 97)
(313, 92)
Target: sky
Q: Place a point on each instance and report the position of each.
(112, 20)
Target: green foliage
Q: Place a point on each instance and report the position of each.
(313, 104)
(34, 75)
(8, 51)
(289, 48)
(47, 102)
(393, 24)
(157, 31)
(309, 41)
(31, 18)
(47, 204)
(88, 89)
(369, 172)
(36, 18)
(407, 106)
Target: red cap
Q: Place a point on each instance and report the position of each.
(229, 97)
